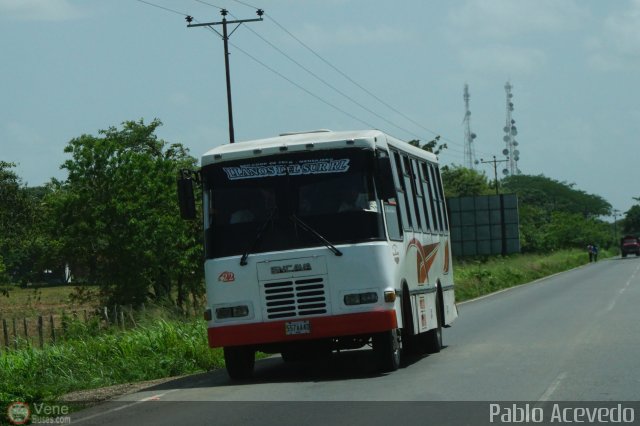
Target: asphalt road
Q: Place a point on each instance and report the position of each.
(570, 337)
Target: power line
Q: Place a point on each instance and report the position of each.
(323, 81)
(209, 4)
(245, 4)
(225, 38)
(349, 79)
(162, 7)
(333, 87)
(310, 93)
(302, 88)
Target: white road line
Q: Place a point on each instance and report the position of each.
(122, 407)
(622, 290)
(495, 293)
(553, 386)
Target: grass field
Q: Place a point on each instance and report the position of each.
(27, 302)
(478, 277)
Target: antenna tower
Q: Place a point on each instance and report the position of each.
(469, 149)
(510, 132)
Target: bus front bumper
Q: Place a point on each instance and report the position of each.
(319, 328)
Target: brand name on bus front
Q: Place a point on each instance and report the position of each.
(303, 168)
(296, 267)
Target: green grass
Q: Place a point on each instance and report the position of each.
(152, 351)
(29, 302)
(475, 278)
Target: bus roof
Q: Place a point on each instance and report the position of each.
(303, 141)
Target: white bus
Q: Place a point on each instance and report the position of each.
(322, 241)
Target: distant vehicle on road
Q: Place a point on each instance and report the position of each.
(629, 244)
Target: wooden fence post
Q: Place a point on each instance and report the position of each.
(26, 331)
(6, 333)
(40, 331)
(85, 316)
(105, 312)
(15, 334)
(53, 328)
(65, 325)
(130, 310)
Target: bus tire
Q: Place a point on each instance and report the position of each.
(433, 338)
(386, 348)
(239, 361)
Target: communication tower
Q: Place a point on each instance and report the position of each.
(510, 132)
(469, 149)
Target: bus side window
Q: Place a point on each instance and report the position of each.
(443, 206)
(407, 185)
(423, 219)
(429, 191)
(436, 195)
(422, 183)
(393, 219)
(403, 201)
(390, 203)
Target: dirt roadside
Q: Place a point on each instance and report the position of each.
(96, 396)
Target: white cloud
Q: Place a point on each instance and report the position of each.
(618, 44)
(503, 59)
(39, 10)
(501, 19)
(508, 36)
(351, 35)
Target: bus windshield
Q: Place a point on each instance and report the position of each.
(265, 204)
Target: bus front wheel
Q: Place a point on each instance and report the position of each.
(239, 361)
(386, 348)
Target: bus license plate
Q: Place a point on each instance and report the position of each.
(297, 327)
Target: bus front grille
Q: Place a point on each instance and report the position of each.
(295, 298)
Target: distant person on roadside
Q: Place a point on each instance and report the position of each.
(590, 251)
(594, 250)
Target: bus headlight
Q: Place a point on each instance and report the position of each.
(232, 312)
(360, 298)
(208, 314)
(390, 296)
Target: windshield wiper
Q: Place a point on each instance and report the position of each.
(263, 227)
(315, 233)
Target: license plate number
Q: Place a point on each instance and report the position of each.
(297, 327)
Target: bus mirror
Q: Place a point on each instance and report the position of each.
(186, 200)
(386, 188)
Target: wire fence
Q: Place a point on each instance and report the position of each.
(41, 330)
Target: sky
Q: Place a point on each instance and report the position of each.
(74, 67)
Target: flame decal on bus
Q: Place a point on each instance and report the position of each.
(425, 256)
(447, 261)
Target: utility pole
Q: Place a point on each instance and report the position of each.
(495, 169)
(225, 37)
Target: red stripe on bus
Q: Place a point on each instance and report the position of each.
(321, 327)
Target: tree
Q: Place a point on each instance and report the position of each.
(119, 214)
(552, 195)
(431, 146)
(631, 221)
(460, 181)
(20, 240)
(556, 215)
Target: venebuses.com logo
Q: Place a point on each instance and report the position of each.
(18, 413)
(21, 413)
